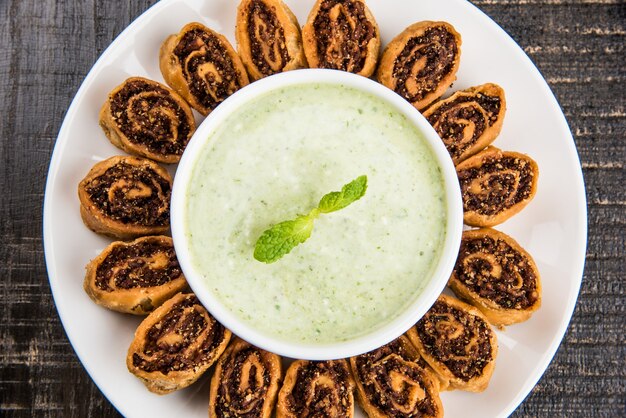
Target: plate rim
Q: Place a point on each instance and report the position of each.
(581, 233)
(572, 154)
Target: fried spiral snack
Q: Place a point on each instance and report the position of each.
(135, 277)
(316, 389)
(245, 382)
(469, 120)
(495, 274)
(126, 197)
(145, 118)
(421, 62)
(268, 38)
(342, 35)
(456, 340)
(495, 185)
(393, 381)
(176, 344)
(202, 66)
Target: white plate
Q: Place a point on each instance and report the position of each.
(552, 228)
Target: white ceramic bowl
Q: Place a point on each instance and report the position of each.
(378, 337)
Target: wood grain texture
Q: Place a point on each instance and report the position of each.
(46, 49)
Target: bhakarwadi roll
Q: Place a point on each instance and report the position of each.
(126, 197)
(135, 277)
(245, 382)
(496, 185)
(393, 381)
(202, 66)
(268, 38)
(458, 343)
(342, 35)
(495, 274)
(469, 120)
(316, 389)
(176, 344)
(421, 62)
(148, 119)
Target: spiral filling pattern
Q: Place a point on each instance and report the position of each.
(210, 72)
(459, 340)
(246, 376)
(461, 122)
(496, 184)
(131, 194)
(424, 62)
(148, 263)
(267, 39)
(495, 270)
(395, 383)
(149, 116)
(320, 389)
(343, 33)
(184, 338)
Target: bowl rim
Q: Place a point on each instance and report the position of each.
(378, 336)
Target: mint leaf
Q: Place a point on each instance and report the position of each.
(283, 237)
(349, 193)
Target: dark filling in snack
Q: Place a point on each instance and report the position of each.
(452, 118)
(132, 194)
(457, 339)
(312, 396)
(343, 33)
(238, 397)
(394, 347)
(511, 283)
(424, 62)
(503, 182)
(377, 370)
(207, 67)
(267, 39)
(150, 117)
(170, 344)
(149, 263)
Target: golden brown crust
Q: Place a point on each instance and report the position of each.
(469, 120)
(456, 340)
(126, 197)
(342, 35)
(245, 382)
(496, 185)
(421, 62)
(495, 274)
(316, 389)
(394, 381)
(135, 277)
(202, 66)
(148, 119)
(176, 344)
(268, 38)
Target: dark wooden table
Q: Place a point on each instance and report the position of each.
(47, 48)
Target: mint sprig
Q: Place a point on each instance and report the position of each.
(283, 237)
(349, 193)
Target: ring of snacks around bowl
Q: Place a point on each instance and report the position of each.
(127, 197)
